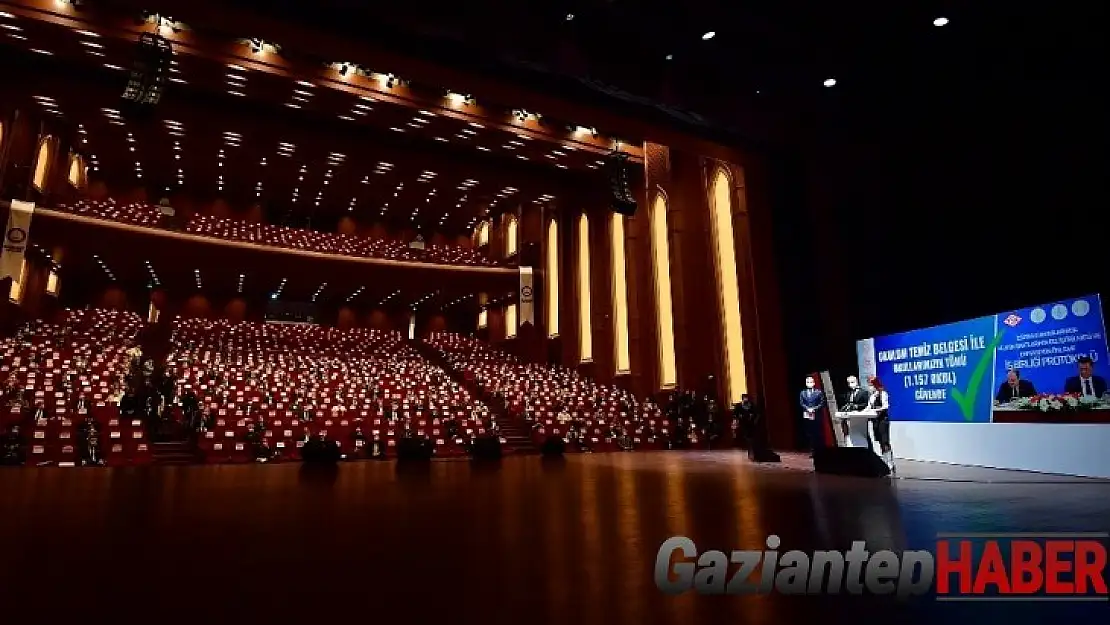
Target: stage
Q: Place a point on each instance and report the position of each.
(571, 541)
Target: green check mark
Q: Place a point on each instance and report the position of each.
(966, 399)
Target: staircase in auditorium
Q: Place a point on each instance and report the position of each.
(515, 431)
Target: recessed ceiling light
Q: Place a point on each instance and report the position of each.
(347, 118)
(21, 38)
(669, 57)
(87, 33)
(10, 27)
(830, 82)
(37, 51)
(709, 35)
(441, 139)
(94, 53)
(304, 84)
(396, 129)
(238, 93)
(940, 21)
(91, 44)
(178, 81)
(110, 66)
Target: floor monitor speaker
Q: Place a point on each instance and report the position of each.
(856, 461)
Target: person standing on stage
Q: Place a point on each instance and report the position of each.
(880, 403)
(812, 400)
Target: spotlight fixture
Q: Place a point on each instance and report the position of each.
(709, 35)
(830, 82)
(570, 17)
(940, 21)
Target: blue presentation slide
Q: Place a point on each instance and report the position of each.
(951, 373)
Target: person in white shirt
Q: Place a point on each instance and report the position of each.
(880, 403)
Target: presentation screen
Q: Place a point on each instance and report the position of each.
(973, 371)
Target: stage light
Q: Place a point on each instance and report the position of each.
(669, 57)
(830, 82)
(940, 21)
(709, 35)
(570, 16)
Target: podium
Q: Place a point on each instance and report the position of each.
(858, 423)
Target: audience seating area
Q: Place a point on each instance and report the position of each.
(293, 381)
(345, 379)
(553, 397)
(284, 237)
(86, 355)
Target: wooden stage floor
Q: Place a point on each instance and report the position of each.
(572, 542)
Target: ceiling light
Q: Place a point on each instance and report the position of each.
(178, 81)
(940, 21)
(669, 57)
(292, 106)
(396, 129)
(110, 66)
(87, 33)
(440, 139)
(10, 27)
(830, 82)
(238, 93)
(237, 68)
(91, 44)
(483, 148)
(37, 51)
(347, 118)
(709, 35)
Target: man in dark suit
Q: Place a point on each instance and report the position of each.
(1086, 384)
(1014, 387)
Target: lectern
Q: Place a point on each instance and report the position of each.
(858, 423)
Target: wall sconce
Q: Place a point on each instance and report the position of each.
(258, 46)
(459, 99)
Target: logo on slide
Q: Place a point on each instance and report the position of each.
(1012, 321)
(966, 398)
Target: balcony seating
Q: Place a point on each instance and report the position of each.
(553, 397)
(85, 355)
(135, 213)
(344, 379)
(284, 237)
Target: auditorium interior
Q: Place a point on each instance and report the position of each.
(244, 236)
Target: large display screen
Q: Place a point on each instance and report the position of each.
(961, 372)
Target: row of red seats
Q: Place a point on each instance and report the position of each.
(81, 360)
(247, 374)
(282, 236)
(554, 397)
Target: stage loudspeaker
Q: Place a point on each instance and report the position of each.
(486, 448)
(153, 56)
(553, 446)
(855, 461)
(620, 189)
(415, 449)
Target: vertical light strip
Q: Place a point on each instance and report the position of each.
(483, 319)
(511, 237)
(621, 358)
(42, 163)
(483, 234)
(511, 323)
(585, 327)
(16, 292)
(52, 283)
(664, 309)
(728, 289)
(551, 282)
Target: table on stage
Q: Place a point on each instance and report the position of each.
(858, 423)
(1005, 414)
